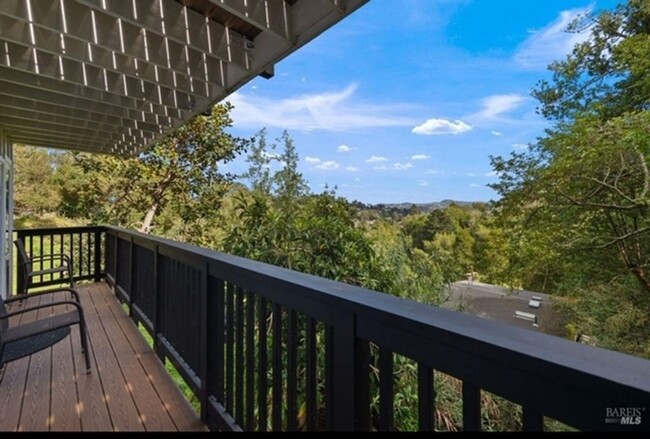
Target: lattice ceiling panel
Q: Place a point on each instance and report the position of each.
(111, 76)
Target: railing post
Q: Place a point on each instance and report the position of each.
(204, 319)
(131, 273)
(98, 256)
(157, 307)
(116, 262)
(350, 376)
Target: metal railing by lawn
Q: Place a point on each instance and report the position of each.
(265, 348)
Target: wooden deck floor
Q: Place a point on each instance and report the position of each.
(128, 389)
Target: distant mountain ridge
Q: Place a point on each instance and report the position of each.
(426, 207)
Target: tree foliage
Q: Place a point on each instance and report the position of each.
(179, 172)
(35, 191)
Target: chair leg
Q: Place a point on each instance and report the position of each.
(83, 333)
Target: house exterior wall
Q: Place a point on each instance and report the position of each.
(6, 214)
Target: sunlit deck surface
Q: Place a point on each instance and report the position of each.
(128, 389)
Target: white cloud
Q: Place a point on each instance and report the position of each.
(380, 168)
(497, 133)
(433, 172)
(474, 185)
(420, 157)
(552, 42)
(345, 148)
(376, 159)
(402, 166)
(312, 160)
(470, 174)
(329, 165)
(441, 126)
(423, 184)
(330, 111)
(351, 169)
(492, 174)
(520, 146)
(495, 105)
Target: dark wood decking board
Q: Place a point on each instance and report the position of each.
(128, 389)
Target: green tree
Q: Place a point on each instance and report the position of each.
(582, 189)
(35, 190)
(606, 75)
(180, 172)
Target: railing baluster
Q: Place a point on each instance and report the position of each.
(73, 260)
(532, 420)
(426, 398)
(262, 368)
(250, 361)
(230, 345)
(98, 256)
(471, 407)
(386, 383)
(239, 369)
(81, 260)
(276, 408)
(40, 247)
(329, 379)
(89, 253)
(292, 370)
(312, 377)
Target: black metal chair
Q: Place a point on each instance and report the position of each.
(26, 265)
(17, 341)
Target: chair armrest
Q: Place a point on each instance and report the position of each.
(74, 292)
(61, 269)
(44, 305)
(65, 259)
(51, 256)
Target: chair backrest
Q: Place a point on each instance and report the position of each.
(23, 258)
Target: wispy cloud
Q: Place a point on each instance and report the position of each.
(552, 42)
(474, 185)
(312, 160)
(330, 111)
(329, 165)
(497, 133)
(420, 157)
(496, 105)
(376, 159)
(403, 166)
(352, 169)
(492, 174)
(345, 148)
(434, 172)
(423, 184)
(519, 146)
(434, 127)
(380, 168)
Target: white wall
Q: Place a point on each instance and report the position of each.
(6, 213)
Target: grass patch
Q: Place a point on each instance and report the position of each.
(171, 370)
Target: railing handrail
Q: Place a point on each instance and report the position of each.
(497, 338)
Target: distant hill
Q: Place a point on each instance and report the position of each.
(425, 207)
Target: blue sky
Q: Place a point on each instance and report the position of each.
(405, 100)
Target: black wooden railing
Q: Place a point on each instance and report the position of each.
(265, 348)
(82, 244)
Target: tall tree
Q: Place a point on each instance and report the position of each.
(181, 171)
(586, 183)
(35, 191)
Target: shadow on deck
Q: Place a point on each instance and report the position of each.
(128, 389)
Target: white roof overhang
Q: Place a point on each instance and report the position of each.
(111, 76)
